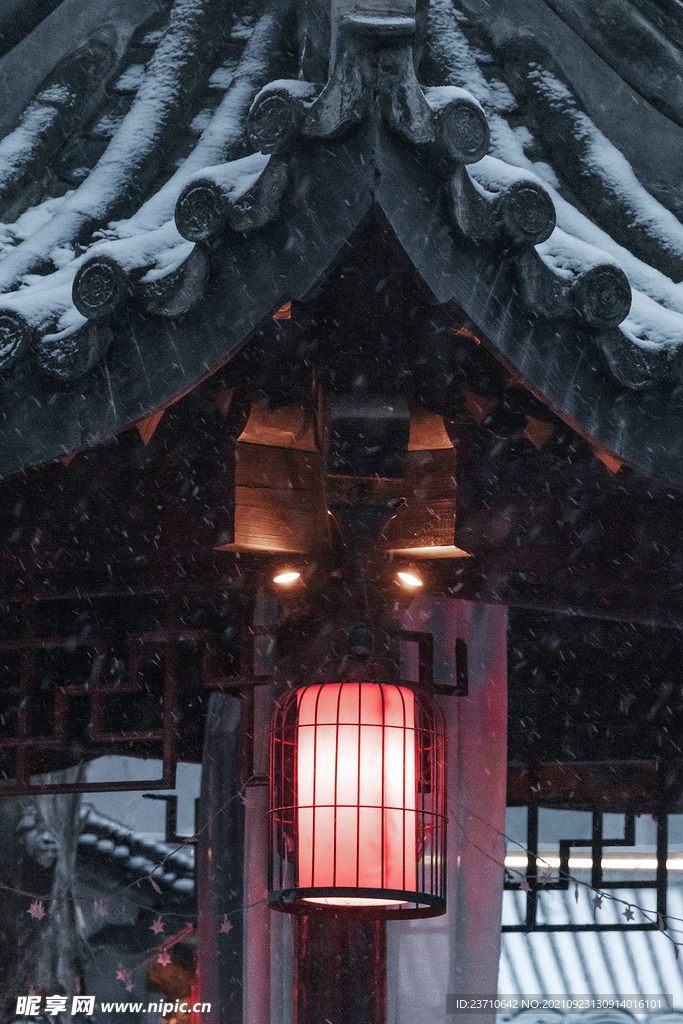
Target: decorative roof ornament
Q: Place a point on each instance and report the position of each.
(206, 179)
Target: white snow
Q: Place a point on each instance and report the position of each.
(293, 86)
(569, 256)
(224, 76)
(148, 241)
(607, 163)
(222, 138)
(131, 79)
(18, 147)
(201, 121)
(439, 96)
(495, 176)
(152, 109)
(56, 94)
(108, 125)
(237, 177)
(650, 325)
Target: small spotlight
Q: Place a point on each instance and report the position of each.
(409, 579)
(288, 576)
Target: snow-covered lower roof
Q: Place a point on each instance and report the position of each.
(583, 963)
(172, 180)
(114, 851)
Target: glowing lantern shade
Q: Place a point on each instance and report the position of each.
(357, 798)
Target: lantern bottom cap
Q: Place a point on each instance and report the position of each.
(390, 904)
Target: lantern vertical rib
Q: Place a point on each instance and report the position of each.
(359, 775)
(404, 794)
(314, 816)
(336, 787)
(383, 813)
(422, 789)
(433, 782)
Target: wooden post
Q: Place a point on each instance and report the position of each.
(220, 849)
(256, 911)
(340, 971)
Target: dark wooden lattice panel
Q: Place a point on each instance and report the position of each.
(70, 696)
(534, 884)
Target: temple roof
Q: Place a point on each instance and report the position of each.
(172, 174)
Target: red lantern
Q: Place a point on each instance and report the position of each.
(357, 802)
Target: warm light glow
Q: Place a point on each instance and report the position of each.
(356, 788)
(351, 901)
(289, 576)
(357, 800)
(440, 551)
(409, 579)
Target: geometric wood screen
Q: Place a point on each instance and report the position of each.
(82, 679)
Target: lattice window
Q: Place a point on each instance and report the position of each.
(532, 879)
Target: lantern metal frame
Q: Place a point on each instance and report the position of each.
(428, 818)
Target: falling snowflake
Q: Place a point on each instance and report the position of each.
(225, 925)
(157, 926)
(164, 958)
(36, 910)
(99, 909)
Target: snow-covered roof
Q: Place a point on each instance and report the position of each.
(114, 851)
(171, 182)
(583, 963)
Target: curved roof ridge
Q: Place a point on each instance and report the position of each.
(547, 240)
